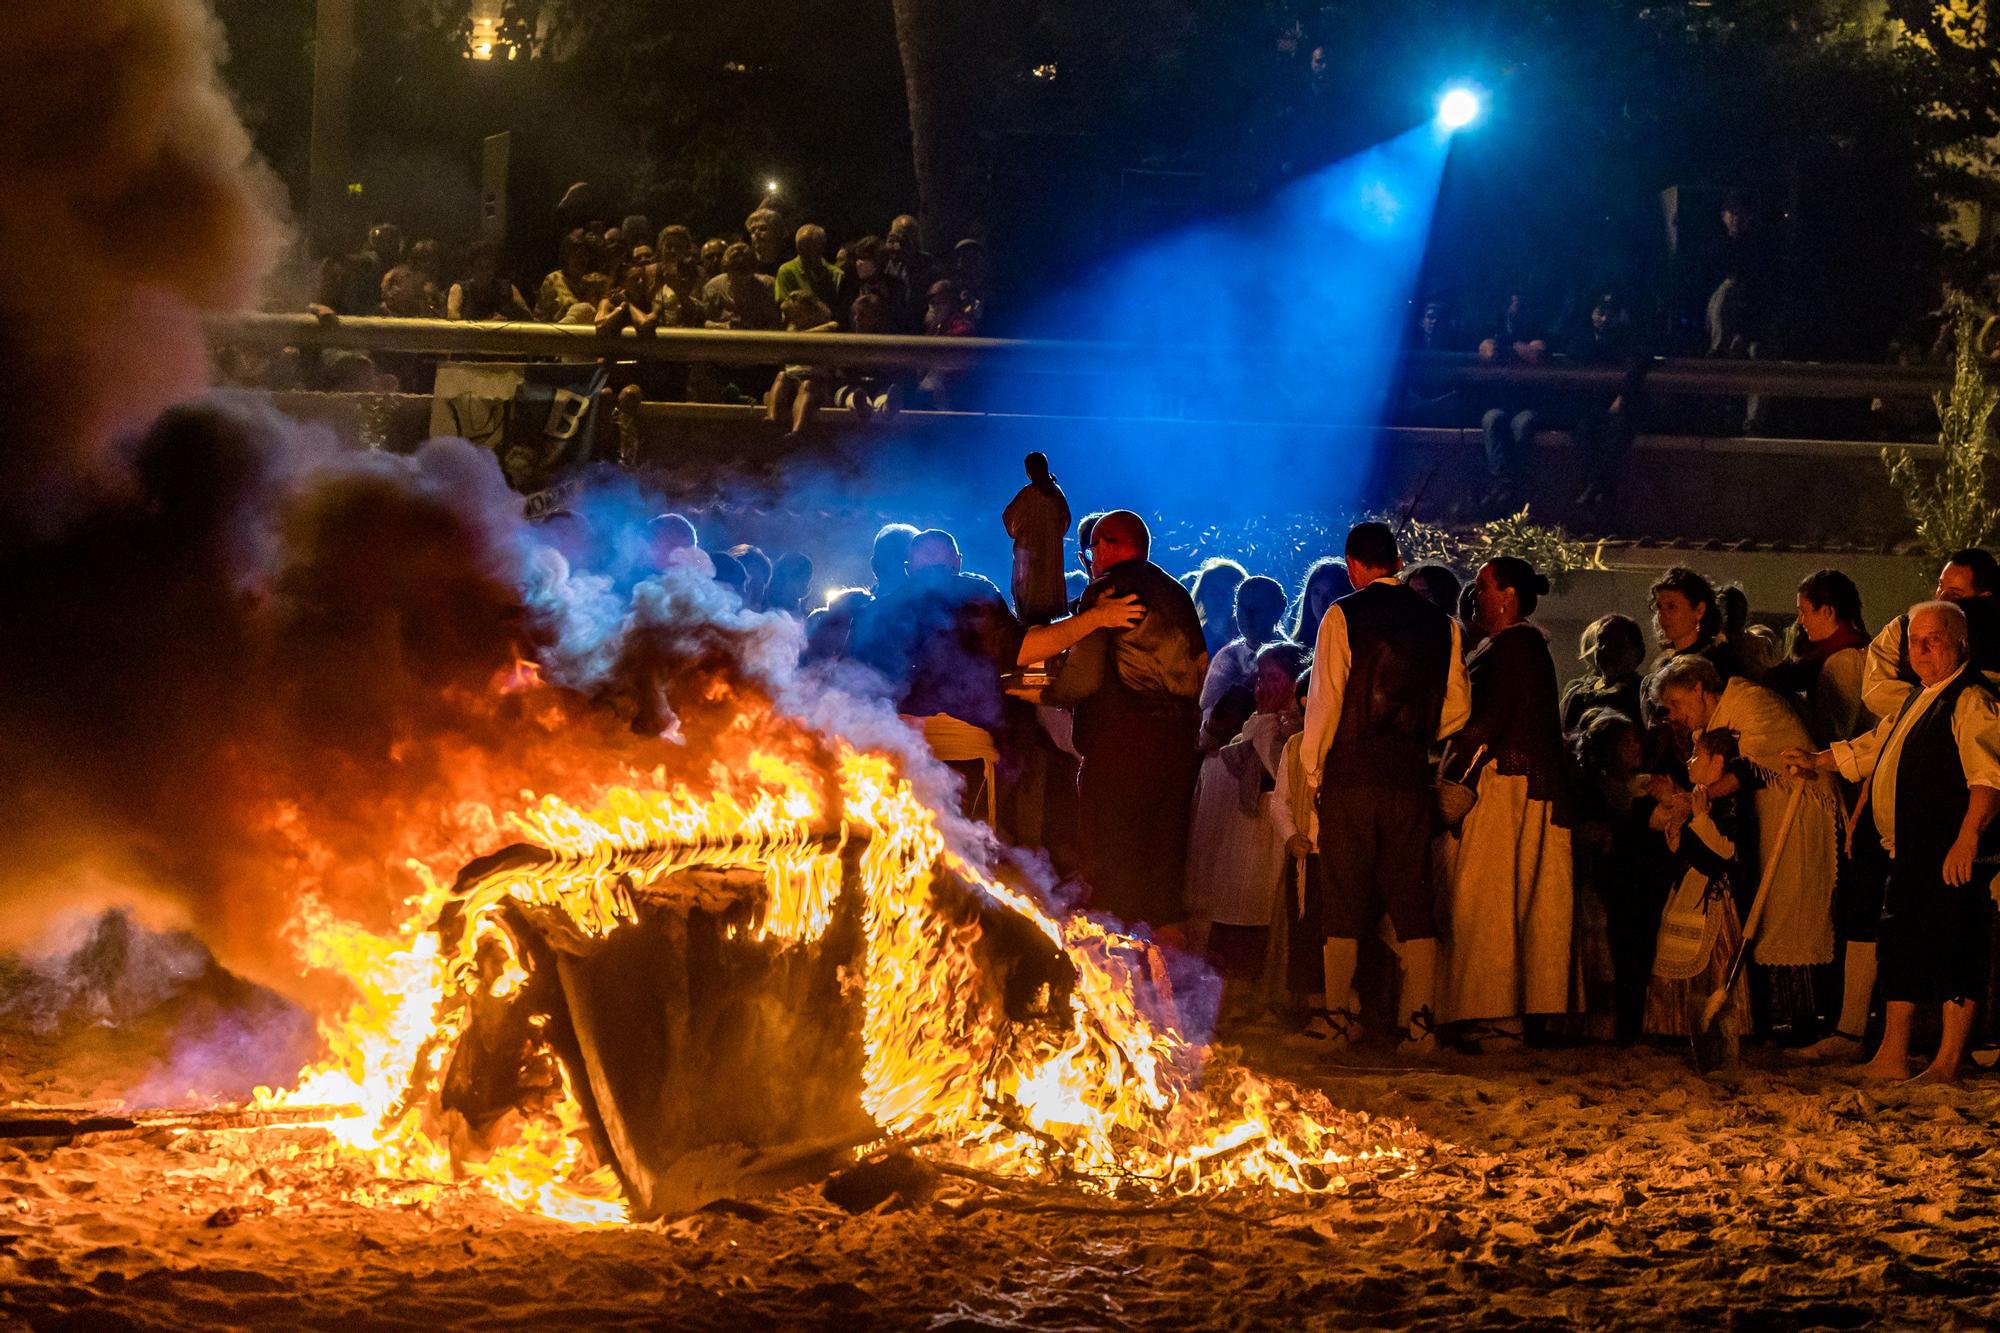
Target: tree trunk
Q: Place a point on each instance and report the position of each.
(945, 91)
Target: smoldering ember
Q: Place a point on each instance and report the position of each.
(910, 665)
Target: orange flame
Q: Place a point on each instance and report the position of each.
(1118, 1099)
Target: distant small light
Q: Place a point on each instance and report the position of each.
(770, 187)
(482, 51)
(1045, 73)
(1458, 108)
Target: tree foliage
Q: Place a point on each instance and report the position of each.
(1951, 504)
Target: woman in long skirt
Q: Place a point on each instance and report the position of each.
(1509, 896)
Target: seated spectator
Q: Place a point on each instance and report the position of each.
(808, 270)
(968, 270)
(1260, 605)
(1325, 583)
(1510, 425)
(405, 295)
(483, 293)
(713, 251)
(861, 276)
(766, 229)
(676, 269)
(635, 231)
(801, 389)
(1427, 392)
(869, 394)
(343, 287)
(907, 266)
(564, 287)
(945, 315)
(1603, 425)
(614, 251)
(427, 258)
(631, 306)
(740, 297)
(1612, 649)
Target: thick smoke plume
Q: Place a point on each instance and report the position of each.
(133, 203)
(282, 667)
(242, 665)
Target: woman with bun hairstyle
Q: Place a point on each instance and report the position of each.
(1507, 888)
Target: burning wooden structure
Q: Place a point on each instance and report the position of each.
(660, 997)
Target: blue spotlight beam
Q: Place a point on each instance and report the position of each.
(1292, 311)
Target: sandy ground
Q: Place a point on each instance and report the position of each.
(1585, 1187)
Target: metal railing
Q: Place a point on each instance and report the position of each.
(1671, 376)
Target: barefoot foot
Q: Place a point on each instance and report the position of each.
(1937, 1074)
(1875, 1071)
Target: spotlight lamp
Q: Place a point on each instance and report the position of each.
(1459, 107)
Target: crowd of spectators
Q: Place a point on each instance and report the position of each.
(631, 272)
(1368, 802)
(630, 276)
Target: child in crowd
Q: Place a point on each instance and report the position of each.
(1711, 840)
(1260, 605)
(800, 390)
(945, 316)
(869, 394)
(1618, 900)
(1295, 938)
(1235, 853)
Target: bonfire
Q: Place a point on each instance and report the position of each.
(651, 992)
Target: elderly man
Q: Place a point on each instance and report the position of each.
(1137, 725)
(808, 271)
(1935, 770)
(1388, 680)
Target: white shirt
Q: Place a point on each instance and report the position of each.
(1333, 658)
(1882, 687)
(1975, 725)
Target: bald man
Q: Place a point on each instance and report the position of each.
(1137, 732)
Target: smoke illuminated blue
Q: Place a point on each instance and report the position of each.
(1257, 350)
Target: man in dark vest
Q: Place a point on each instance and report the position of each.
(1388, 681)
(1934, 771)
(1137, 729)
